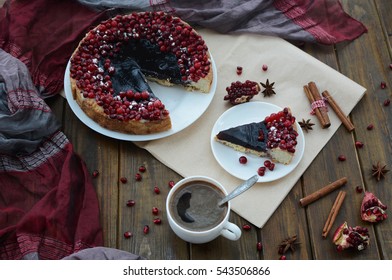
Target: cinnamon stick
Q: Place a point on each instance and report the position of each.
(314, 96)
(345, 120)
(322, 192)
(333, 213)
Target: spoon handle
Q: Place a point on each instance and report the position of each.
(240, 189)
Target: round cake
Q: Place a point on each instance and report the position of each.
(111, 68)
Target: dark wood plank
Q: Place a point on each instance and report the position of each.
(325, 169)
(160, 242)
(99, 153)
(374, 52)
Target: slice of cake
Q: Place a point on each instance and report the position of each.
(274, 137)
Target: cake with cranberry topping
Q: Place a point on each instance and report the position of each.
(274, 137)
(111, 69)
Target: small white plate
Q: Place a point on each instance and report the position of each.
(228, 158)
(185, 108)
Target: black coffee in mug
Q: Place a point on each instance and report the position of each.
(194, 206)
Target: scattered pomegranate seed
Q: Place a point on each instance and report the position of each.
(171, 184)
(383, 84)
(138, 177)
(246, 227)
(123, 180)
(128, 234)
(157, 221)
(390, 66)
(243, 160)
(95, 173)
(142, 168)
(131, 203)
(259, 246)
(239, 70)
(358, 144)
(155, 210)
(341, 158)
(358, 189)
(157, 190)
(271, 167)
(283, 257)
(370, 127)
(261, 171)
(146, 229)
(264, 67)
(387, 102)
(267, 163)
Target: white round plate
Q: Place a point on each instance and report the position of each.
(228, 158)
(185, 107)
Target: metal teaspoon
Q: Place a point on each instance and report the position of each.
(240, 189)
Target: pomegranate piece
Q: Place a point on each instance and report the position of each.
(372, 209)
(95, 173)
(138, 177)
(246, 227)
(171, 184)
(351, 237)
(146, 229)
(142, 168)
(157, 221)
(123, 180)
(157, 190)
(259, 246)
(341, 158)
(128, 234)
(264, 67)
(239, 92)
(243, 159)
(131, 203)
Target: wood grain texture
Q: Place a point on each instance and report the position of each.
(366, 61)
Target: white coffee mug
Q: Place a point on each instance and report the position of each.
(224, 227)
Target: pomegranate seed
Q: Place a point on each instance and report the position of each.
(271, 166)
(259, 246)
(123, 180)
(171, 184)
(282, 257)
(265, 67)
(341, 158)
(387, 102)
(261, 171)
(138, 177)
(390, 66)
(239, 70)
(95, 173)
(243, 159)
(267, 163)
(155, 210)
(358, 144)
(383, 84)
(246, 227)
(157, 190)
(131, 203)
(157, 221)
(146, 229)
(358, 189)
(142, 168)
(370, 127)
(128, 234)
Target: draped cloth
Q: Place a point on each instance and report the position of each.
(48, 206)
(43, 34)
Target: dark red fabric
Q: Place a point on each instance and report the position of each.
(325, 20)
(50, 209)
(43, 34)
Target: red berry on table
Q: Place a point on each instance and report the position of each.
(243, 160)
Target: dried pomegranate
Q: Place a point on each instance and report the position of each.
(372, 209)
(351, 237)
(238, 92)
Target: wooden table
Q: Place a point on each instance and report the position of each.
(366, 61)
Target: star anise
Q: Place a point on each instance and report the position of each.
(287, 244)
(269, 88)
(379, 171)
(306, 125)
